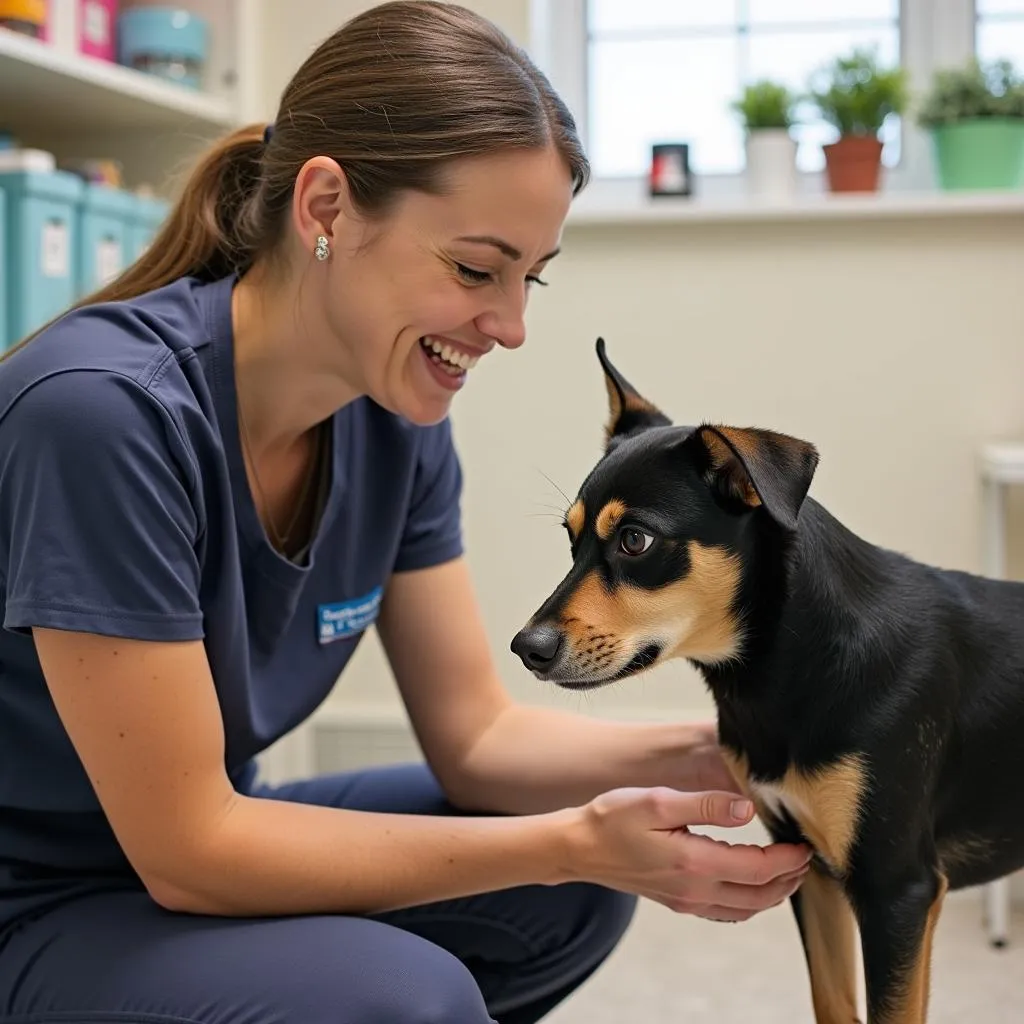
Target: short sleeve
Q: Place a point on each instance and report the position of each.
(98, 524)
(433, 528)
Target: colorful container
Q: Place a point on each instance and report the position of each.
(150, 213)
(106, 220)
(42, 235)
(28, 17)
(171, 43)
(97, 28)
(4, 342)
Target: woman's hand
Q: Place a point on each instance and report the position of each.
(703, 768)
(638, 841)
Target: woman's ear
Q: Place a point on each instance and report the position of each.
(321, 197)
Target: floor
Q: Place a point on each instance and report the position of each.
(673, 969)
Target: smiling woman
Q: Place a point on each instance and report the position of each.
(216, 474)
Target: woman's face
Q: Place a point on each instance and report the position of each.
(415, 301)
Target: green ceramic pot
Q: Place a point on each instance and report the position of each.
(985, 153)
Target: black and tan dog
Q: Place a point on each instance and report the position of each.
(868, 704)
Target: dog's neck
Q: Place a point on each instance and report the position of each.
(815, 628)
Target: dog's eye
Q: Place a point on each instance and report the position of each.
(634, 542)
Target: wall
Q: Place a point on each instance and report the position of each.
(894, 345)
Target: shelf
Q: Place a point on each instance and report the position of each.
(46, 88)
(627, 211)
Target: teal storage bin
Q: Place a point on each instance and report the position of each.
(150, 213)
(4, 342)
(106, 220)
(42, 235)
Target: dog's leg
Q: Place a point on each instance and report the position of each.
(897, 927)
(828, 932)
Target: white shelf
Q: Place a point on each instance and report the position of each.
(43, 86)
(640, 210)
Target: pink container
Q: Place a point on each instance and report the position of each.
(97, 28)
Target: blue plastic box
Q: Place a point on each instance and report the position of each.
(150, 213)
(42, 237)
(106, 221)
(4, 344)
(169, 42)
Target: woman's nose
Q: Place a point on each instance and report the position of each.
(507, 324)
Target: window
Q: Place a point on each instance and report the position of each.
(693, 58)
(636, 72)
(999, 31)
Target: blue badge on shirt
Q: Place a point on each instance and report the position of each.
(347, 618)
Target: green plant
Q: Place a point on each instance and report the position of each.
(855, 94)
(766, 104)
(972, 91)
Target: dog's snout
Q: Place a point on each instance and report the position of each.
(537, 646)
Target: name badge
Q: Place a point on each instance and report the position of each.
(347, 618)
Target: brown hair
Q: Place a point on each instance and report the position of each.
(394, 96)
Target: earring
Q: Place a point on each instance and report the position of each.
(322, 250)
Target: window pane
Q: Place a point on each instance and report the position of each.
(675, 90)
(793, 57)
(639, 15)
(998, 40)
(984, 7)
(768, 12)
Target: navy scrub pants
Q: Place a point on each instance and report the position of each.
(508, 956)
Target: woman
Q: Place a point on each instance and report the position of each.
(214, 476)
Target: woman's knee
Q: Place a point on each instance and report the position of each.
(435, 988)
(609, 914)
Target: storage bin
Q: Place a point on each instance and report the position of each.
(150, 213)
(42, 233)
(4, 342)
(168, 42)
(106, 218)
(27, 17)
(97, 28)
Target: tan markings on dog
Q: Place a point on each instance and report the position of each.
(694, 613)
(575, 518)
(608, 518)
(825, 803)
(633, 403)
(829, 937)
(909, 1003)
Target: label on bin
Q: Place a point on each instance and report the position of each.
(109, 261)
(56, 260)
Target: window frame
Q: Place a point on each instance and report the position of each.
(932, 35)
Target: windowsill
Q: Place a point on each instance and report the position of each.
(633, 208)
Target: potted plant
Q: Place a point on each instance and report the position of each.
(855, 94)
(766, 110)
(975, 116)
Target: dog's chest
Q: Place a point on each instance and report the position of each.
(824, 803)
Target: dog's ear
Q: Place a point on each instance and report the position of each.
(628, 411)
(758, 468)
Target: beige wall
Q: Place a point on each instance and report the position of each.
(896, 346)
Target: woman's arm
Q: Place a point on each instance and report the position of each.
(489, 752)
(144, 719)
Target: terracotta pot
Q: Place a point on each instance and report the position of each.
(853, 164)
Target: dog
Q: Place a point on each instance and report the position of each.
(870, 705)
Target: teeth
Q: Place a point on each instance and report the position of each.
(450, 355)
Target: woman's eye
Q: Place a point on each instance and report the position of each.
(474, 276)
(634, 542)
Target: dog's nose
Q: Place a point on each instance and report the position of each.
(537, 646)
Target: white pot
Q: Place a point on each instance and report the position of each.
(771, 164)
